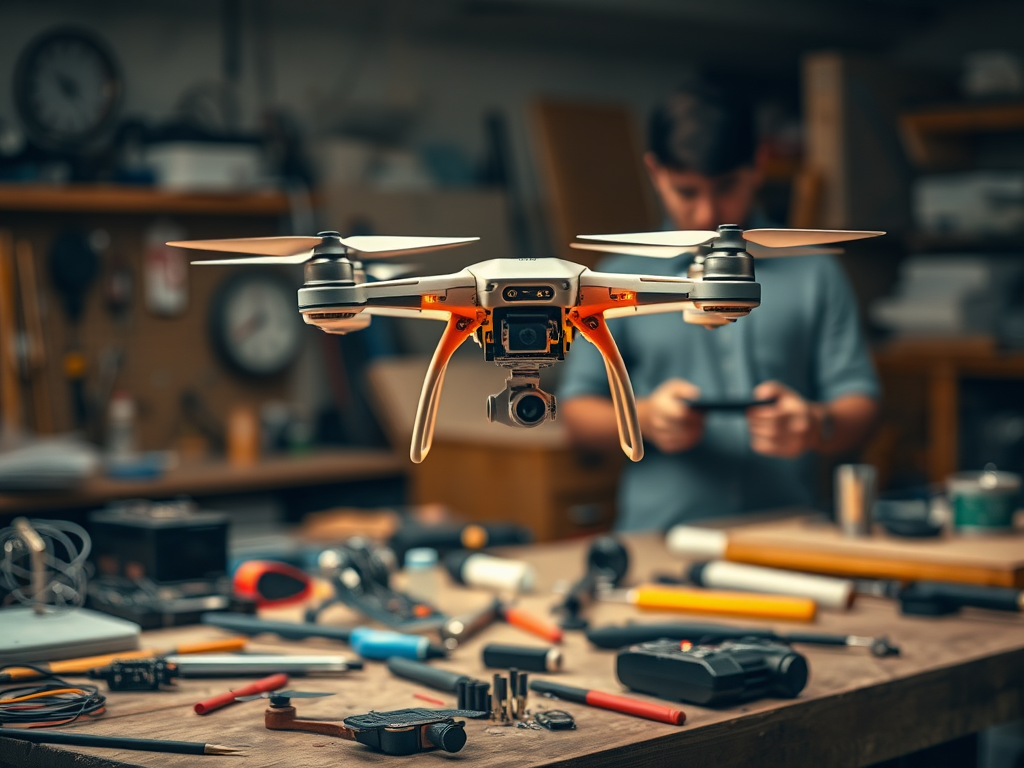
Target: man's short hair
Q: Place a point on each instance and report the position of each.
(703, 126)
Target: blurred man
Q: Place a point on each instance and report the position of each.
(802, 346)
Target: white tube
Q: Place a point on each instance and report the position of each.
(488, 572)
(826, 591)
(695, 543)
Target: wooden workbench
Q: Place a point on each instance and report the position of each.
(956, 675)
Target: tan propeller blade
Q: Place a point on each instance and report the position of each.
(382, 246)
(788, 238)
(652, 251)
(677, 239)
(668, 252)
(296, 250)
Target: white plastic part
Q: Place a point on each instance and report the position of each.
(487, 572)
(696, 543)
(826, 591)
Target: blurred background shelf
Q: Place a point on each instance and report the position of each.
(93, 198)
(217, 477)
(940, 137)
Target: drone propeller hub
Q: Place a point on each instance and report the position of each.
(323, 269)
(728, 265)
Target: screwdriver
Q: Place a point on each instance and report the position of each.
(367, 642)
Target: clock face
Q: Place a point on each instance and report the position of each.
(255, 323)
(67, 89)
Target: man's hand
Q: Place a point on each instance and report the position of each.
(667, 421)
(786, 428)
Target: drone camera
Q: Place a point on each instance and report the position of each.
(524, 405)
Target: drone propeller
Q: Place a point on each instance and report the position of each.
(296, 250)
(670, 252)
(770, 238)
(283, 695)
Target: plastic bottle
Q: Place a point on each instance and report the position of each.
(422, 576)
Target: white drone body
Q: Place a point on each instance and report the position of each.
(524, 313)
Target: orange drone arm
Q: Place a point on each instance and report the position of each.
(460, 327)
(595, 330)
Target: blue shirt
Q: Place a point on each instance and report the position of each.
(806, 334)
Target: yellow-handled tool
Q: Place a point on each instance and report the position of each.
(716, 601)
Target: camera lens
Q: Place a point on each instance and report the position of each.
(531, 409)
(527, 338)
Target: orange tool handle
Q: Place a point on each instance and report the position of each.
(517, 617)
(227, 645)
(717, 601)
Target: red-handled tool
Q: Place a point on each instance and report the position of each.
(264, 685)
(611, 701)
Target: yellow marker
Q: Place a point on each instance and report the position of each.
(715, 601)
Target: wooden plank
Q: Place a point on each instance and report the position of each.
(591, 159)
(219, 477)
(812, 544)
(956, 675)
(91, 198)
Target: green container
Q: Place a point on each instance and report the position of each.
(983, 502)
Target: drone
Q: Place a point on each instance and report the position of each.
(525, 313)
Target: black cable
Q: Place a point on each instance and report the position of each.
(55, 701)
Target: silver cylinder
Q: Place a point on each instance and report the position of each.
(855, 498)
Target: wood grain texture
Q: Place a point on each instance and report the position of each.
(956, 675)
(812, 544)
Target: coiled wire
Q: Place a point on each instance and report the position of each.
(65, 563)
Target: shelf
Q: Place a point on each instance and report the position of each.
(923, 242)
(90, 198)
(218, 477)
(936, 137)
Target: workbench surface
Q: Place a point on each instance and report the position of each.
(956, 675)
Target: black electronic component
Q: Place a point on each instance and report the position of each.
(445, 538)
(398, 732)
(936, 598)
(166, 543)
(497, 656)
(607, 565)
(136, 674)
(555, 720)
(439, 679)
(482, 697)
(712, 675)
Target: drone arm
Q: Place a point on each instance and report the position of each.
(460, 327)
(284, 719)
(595, 330)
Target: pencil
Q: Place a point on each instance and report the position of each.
(117, 742)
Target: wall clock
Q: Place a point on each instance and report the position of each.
(254, 325)
(67, 89)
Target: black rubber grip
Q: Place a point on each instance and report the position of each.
(432, 677)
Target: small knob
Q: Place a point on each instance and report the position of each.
(449, 736)
(328, 233)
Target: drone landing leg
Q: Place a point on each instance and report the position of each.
(459, 328)
(595, 330)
